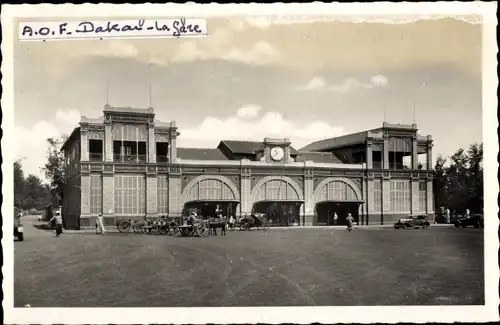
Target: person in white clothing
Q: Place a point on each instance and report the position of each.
(99, 225)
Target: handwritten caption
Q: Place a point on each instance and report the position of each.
(141, 28)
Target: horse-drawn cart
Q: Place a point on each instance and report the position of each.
(194, 229)
(255, 220)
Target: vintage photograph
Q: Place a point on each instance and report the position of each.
(248, 161)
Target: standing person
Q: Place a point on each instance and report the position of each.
(467, 213)
(335, 219)
(349, 220)
(99, 225)
(448, 217)
(57, 218)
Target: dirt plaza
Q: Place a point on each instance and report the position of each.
(307, 267)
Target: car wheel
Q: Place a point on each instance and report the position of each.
(464, 225)
(20, 237)
(457, 225)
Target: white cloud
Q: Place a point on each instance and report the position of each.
(116, 48)
(262, 53)
(31, 143)
(248, 111)
(318, 83)
(272, 124)
(379, 80)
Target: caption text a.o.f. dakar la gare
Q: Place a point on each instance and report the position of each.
(112, 29)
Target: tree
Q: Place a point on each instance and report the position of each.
(54, 167)
(29, 193)
(459, 185)
(18, 183)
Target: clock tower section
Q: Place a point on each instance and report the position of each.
(277, 150)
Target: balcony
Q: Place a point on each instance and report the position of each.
(95, 156)
(161, 159)
(130, 158)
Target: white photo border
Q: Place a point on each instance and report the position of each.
(473, 12)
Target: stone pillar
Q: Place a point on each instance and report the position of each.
(430, 200)
(369, 154)
(365, 207)
(175, 192)
(151, 145)
(370, 195)
(310, 202)
(151, 194)
(246, 189)
(414, 154)
(386, 195)
(172, 147)
(429, 153)
(85, 196)
(108, 142)
(415, 195)
(386, 154)
(108, 193)
(84, 145)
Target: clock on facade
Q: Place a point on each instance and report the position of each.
(277, 153)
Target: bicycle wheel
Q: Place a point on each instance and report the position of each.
(123, 226)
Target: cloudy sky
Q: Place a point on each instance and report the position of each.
(252, 78)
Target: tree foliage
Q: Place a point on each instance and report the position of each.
(458, 183)
(54, 166)
(29, 192)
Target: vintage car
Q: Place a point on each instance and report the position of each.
(475, 220)
(413, 221)
(18, 227)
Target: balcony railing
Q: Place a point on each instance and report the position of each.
(130, 158)
(95, 156)
(161, 159)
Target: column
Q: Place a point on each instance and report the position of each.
(85, 195)
(386, 198)
(172, 146)
(430, 200)
(84, 145)
(310, 202)
(108, 194)
(151, 194)
(245, 189)
(365, 198)
(151, 145)
(174, 192)
(386, 154)
(369, 154)
(414, 154)
(429, 153)
(414, 195)
(108, 142)
(370, 197)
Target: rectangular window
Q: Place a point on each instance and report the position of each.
(400, 193)
(95, 194)
(162, 194)
(377, 204)
(161, 152)
(95, 150)
(130, 192)
(422, 196)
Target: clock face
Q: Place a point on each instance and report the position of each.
(277, 153)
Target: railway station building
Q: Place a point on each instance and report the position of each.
(126, 164)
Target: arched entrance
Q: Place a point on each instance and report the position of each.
(280, 198)
(206, 194)
(339, 197)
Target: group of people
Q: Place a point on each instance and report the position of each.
(57, 218)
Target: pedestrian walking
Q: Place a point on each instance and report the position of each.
(99, 225)
(57, 218)
(448, 217)
(335, 218)
(349, 220)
